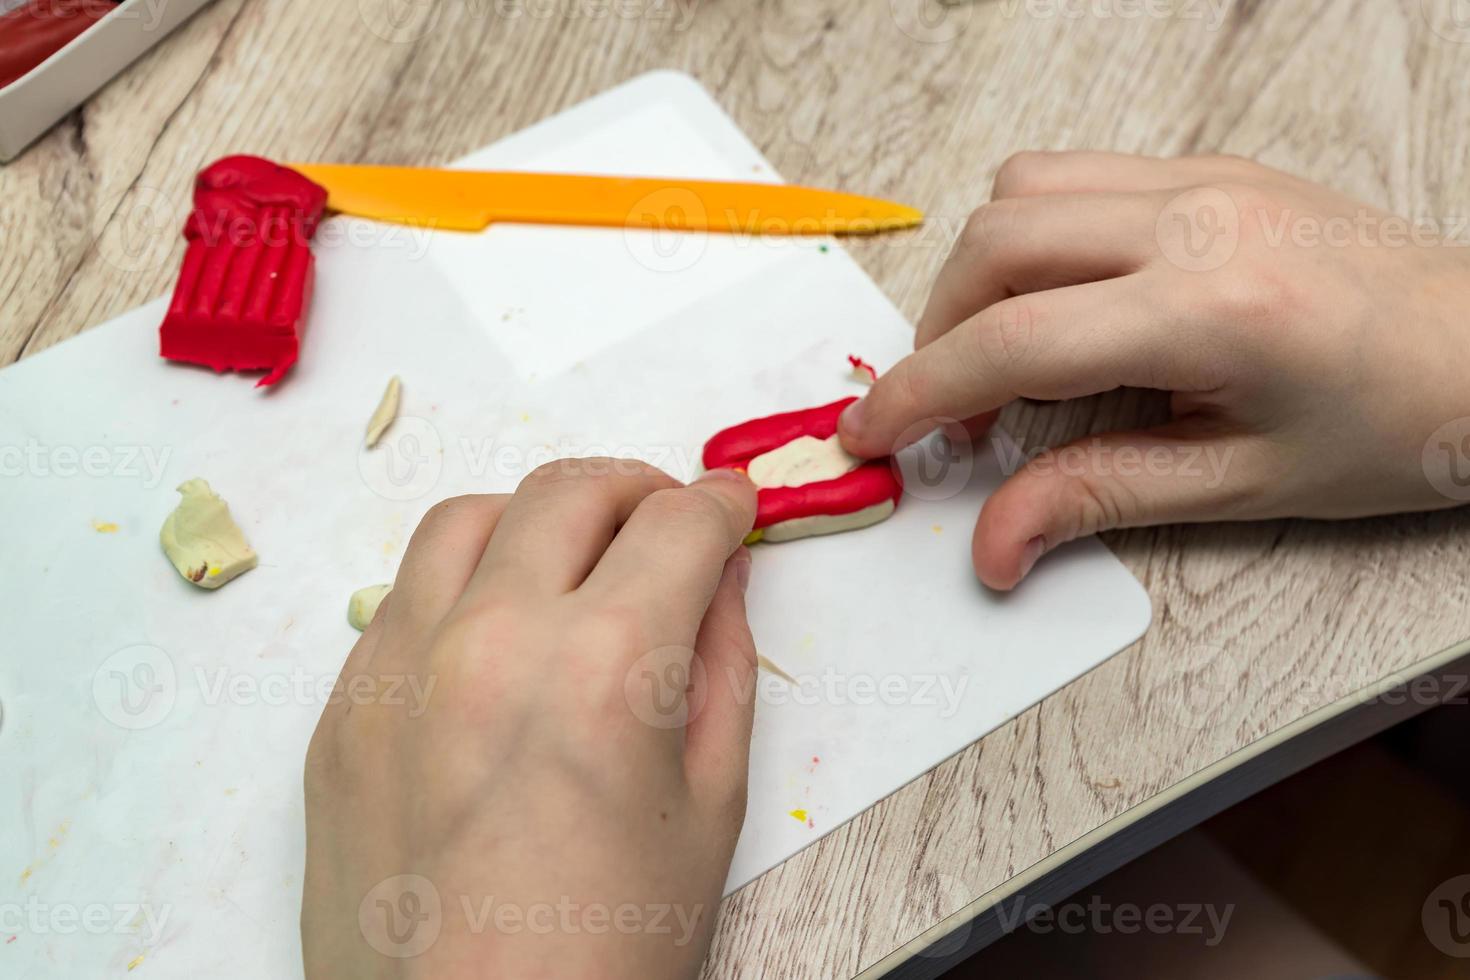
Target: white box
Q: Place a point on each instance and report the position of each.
(34, 102)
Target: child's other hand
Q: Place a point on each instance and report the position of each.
(535, 764)
(1316, 349)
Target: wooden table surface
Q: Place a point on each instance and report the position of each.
(1256, 626)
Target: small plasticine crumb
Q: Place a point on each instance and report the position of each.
(104, 527)
(136, 961)
(769, 667)
(385, 413)
(798, 815)
(363, 605)
(202, 540)
(861, 370)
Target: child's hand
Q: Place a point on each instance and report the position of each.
(505, 786)
(1313, 346)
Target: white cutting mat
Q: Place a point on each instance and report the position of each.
(153, 734)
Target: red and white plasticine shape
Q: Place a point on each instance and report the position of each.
(807, 483)
(247, 276)
(861, 370)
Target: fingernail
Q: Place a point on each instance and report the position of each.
(742, 565)
(723, 473)
(851, 419)
(1035, 548)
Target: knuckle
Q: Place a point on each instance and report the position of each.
(446, 511)
(607, 467)
(1007, 337)
(987, 227)
(1101, 504)
(488, 627)
(902, 391)
(1235, 167)
(606, 628)
(1249, 197)
(685, 505)
(625, 466)
(1249, 297)
(580, 472)
(895, 403)
(554, 473)
(322, 753)
(1020, 173)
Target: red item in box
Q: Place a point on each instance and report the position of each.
(36, 30)
(245, 284)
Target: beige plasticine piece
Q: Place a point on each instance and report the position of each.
(202, 540)
(803, 460)
(363, 605)
(810, 527)
(770, 667)
(385, 413)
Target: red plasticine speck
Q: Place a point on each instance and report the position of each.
(246, 281)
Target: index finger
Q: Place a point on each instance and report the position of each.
(1064, 343)
(666, 561)
(1029, 244)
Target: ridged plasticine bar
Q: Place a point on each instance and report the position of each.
(245, 285)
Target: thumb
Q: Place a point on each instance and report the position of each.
(1120, 479)
(717, 740)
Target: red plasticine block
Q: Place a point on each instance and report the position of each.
(870, 484)
(246, 281)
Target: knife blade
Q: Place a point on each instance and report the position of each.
(469, 200)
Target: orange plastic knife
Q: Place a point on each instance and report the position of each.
(468, 200)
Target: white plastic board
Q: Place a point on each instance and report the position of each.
(152, 735)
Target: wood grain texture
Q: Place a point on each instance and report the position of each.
(1255, 625)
